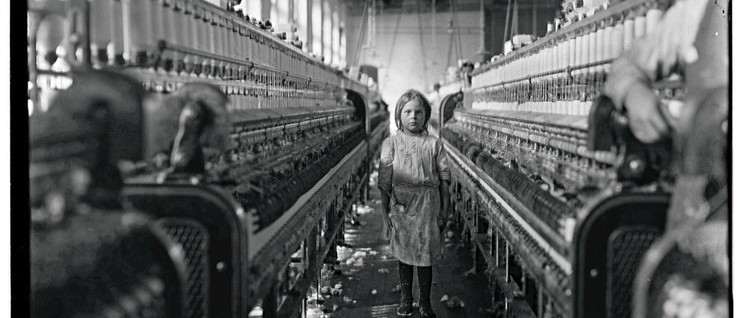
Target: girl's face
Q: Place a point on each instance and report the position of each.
(413, 116)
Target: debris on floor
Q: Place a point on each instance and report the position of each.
(326, 290)
(352, 261)
(471, 272)
(364, 209)
(315, 313)
(455, 302)
(367, 269)
(343, 250)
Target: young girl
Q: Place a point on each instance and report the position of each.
(413, 178)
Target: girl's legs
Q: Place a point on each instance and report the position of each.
(406, 273)
(425, 278)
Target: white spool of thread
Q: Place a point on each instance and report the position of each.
(599, 49)
(166, 20)
(640, 28)
(574, 50)
(585, 47)
(100, 28)
(607, 41)
(116, 37)
(238, 40)
(652, 17)
(195, 33)
(564, 54)
(555, 56)
(617, 40)
(204, 39)
(179, 22)
(593, 45)
(629, 32)
(225, 31)
(213, 37)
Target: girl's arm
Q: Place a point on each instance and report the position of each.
(385, 176)
(445, 204)
(444, 174)
(385, 199)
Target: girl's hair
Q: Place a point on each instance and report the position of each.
(407, 97)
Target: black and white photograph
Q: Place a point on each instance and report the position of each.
(372, 158)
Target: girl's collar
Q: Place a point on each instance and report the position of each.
(407, 133)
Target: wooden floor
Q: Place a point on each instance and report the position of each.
(366, 278)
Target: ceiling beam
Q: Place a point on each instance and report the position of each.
(355, 8)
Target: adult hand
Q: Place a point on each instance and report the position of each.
(646, 119)
(651, 58)
(630, 90)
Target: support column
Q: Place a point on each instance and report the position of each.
(317, 17)
(266, 9)
(309, 26)
(533, 20)
(342, 10)
(301, 14)
(327, 32)
(482, 54)
(335, 47)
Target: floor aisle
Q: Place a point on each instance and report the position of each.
(367, 276)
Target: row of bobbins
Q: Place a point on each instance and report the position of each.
(176, 38)
(576, 62)
(130, 32)
(271, 90)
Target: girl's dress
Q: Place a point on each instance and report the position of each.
(412, 166)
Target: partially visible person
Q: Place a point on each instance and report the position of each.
(690, 38)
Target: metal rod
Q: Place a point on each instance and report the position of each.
(505, 31)
(432, 22)
(507, 255)
(165, 45)
(540, 307)
(557, 71)
(533, 19)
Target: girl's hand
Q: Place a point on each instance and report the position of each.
(445, 208)
(387, 228)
